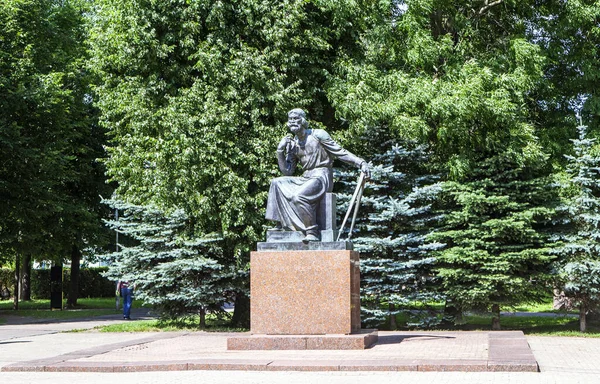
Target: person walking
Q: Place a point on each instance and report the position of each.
(125, 289)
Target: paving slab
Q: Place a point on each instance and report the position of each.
(395, 351)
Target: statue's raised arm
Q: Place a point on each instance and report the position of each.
(293, 200)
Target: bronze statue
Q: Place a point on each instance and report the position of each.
(292, 199)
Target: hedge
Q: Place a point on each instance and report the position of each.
(91, 282)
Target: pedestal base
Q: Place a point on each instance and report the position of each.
(305, 292)
(362, 340)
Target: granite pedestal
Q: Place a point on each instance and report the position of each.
(305, 299)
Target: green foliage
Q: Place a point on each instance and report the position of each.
(7, 278)
(49, 176)
(480, 82)
(395, 216)
(92, 283)
(569, 37)
(496, 235)
(194, 95)
(579, 265)
(174, 270)
(457, 75)
(582, 282)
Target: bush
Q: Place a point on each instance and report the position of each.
(91, 283)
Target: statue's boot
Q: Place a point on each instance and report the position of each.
(311, 235)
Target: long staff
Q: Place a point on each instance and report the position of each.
(354, 202)
(358, 198)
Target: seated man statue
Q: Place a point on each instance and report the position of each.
(293, 200)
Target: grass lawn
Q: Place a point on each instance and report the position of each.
(556, 323)
(533, 325)
(40, 309)
(191, 323)
(542, 320)
(92, 307)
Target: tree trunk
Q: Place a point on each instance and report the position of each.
(74, 284)
(17, 275)
(241, 311)
(393, 325)
(496, 317)
(26, 278)
(202, 318)
(582, 317)
(452, 314)
(56, 289)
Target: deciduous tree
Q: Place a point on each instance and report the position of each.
(49, 142)
(194, 95)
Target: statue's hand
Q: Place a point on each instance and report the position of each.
(364, 168)
(283, 143)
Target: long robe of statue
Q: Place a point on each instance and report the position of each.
(293, 200)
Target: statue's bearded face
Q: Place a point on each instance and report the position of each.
(296, 122)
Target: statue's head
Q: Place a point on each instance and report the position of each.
(297, 120)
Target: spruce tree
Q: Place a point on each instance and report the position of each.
(579, 265)
(496, 232)
(175, 270)
(395, 217)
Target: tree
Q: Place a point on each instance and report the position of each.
(31, 114)
(395, 217)
(456, 75)
(461, 77)
(194, 95)
(579, 263)
(176, 272)
(568, 35)
(497, 235)
(79, 226)
(49, 178)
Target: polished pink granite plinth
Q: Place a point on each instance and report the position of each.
(305, 292)
(362, 340)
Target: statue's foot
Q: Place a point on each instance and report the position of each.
(278, 227)
(310, 238)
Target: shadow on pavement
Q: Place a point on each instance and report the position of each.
(396, 339)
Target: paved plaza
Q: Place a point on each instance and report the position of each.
(46, 353)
